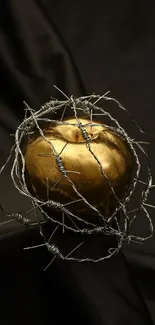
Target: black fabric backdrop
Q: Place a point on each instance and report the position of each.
(83, 47)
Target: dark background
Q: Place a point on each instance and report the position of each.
(83, 47)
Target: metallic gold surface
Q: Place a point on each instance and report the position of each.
(111, 150)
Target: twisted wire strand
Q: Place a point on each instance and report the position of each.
(88, 106)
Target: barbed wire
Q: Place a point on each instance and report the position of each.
(87, 105)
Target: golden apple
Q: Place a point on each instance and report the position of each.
(111, 150)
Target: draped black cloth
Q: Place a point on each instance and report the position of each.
(82, 47)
